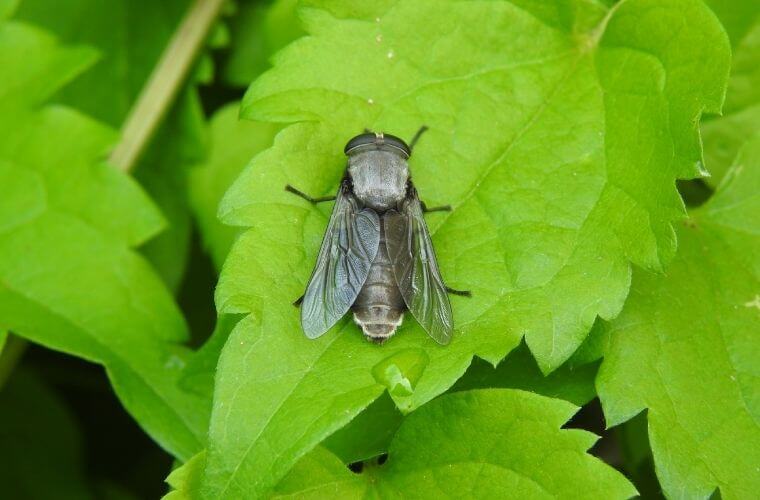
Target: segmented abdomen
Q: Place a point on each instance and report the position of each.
(379, 307)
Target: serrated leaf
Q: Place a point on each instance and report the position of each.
(571, 382)
(257, 31)
(590, 118)
(369, 434)
(185, 480)
(494, 443)
(41, 454)
(685, 347)
(68, 279)
(490, 443)
(560, 238)
(724, 135)
(233, 143)
(130, 37)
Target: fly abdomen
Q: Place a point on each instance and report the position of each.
(379, 307)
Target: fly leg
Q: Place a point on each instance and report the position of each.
(445, 208)
(297, 302)
(461, 293)
(416, 137)
(306, 197)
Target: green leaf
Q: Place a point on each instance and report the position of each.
(185, 480)
(40, 444)
(258, 30)
(232, 145)
(571, 382)
(129, 34)
(130, 37)
(723, 136)
(559, 239)
(591, 117)
(493, 443)
(638, 463)
(685, 347)
(7, 8)
(369, 434)
(198, 375)
(68, 279)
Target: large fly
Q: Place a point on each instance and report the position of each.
(377, 258)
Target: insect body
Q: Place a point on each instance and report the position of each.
(377, 257)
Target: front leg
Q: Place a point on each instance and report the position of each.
(310, 199)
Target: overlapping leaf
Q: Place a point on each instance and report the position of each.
(68, 279)
(571, 382)
(724, 136)
(185, 480)
(686, 348)
(555, 133)
(129, 37)
(495, 443)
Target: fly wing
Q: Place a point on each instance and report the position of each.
(416, 270)
(348, 249)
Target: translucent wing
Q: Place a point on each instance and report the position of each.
(416, 270)
(348, 249)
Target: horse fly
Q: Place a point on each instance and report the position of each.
(377, 257)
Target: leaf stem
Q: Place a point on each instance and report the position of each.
(164, 83)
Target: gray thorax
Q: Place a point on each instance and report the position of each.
(379, 178)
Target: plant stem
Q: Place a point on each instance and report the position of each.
(164, 83)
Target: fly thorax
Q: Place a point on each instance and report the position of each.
(378, 177)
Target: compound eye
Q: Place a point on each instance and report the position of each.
(393, 141)
(379, 141)
(360, 140)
